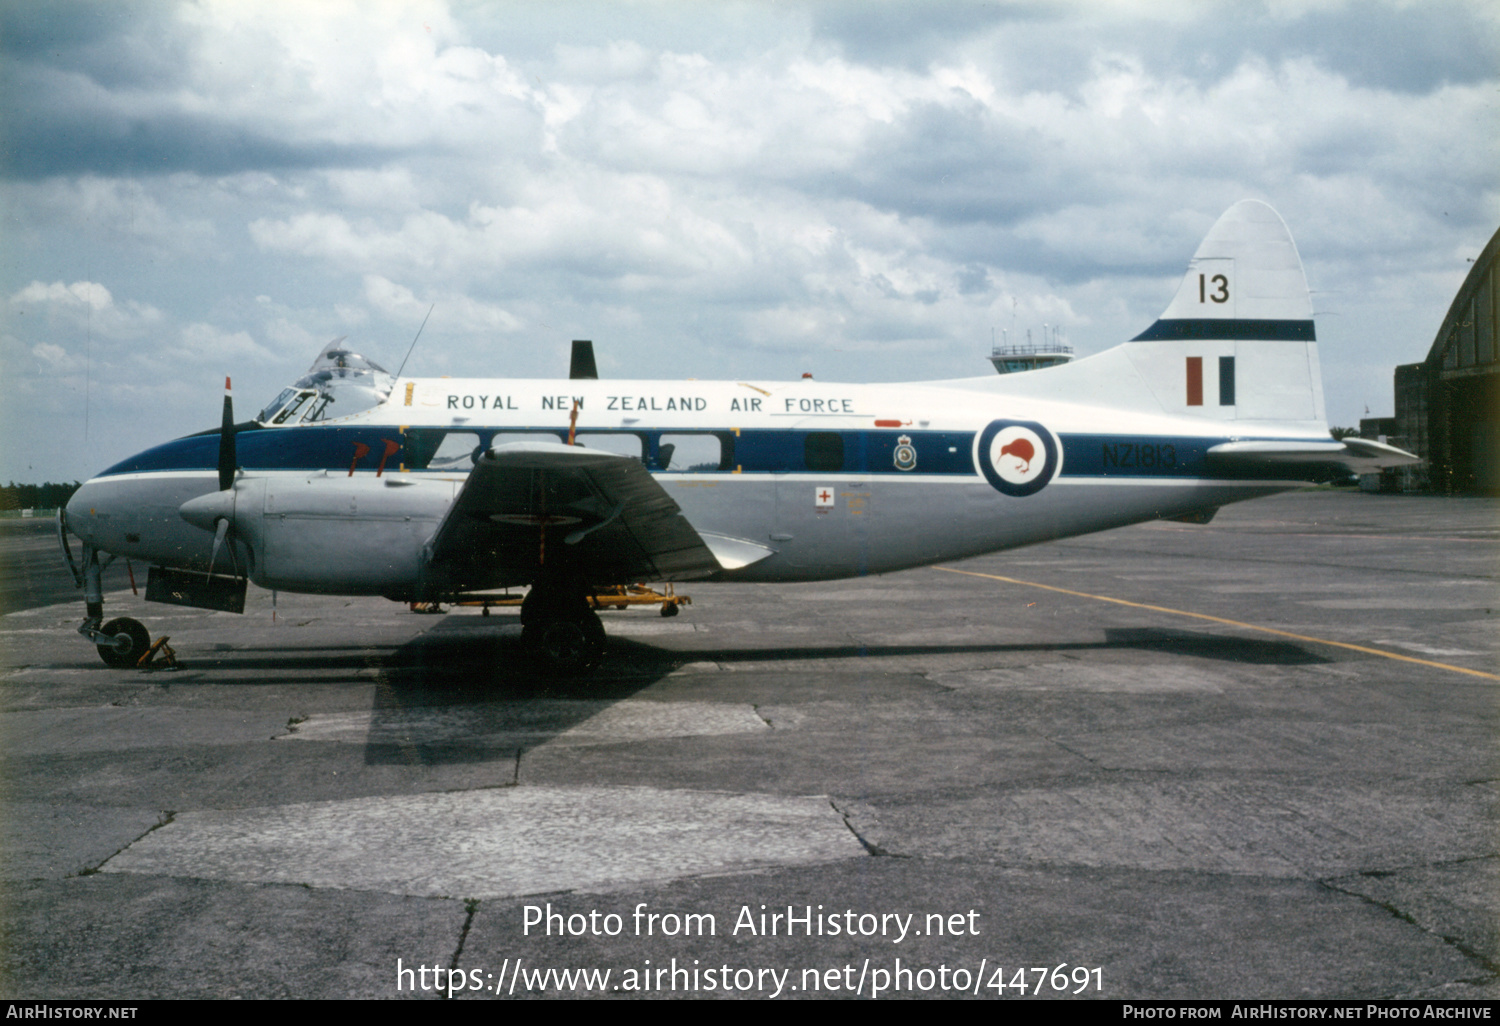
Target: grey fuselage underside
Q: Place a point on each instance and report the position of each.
(873, 526)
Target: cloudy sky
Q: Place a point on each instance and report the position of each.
(861, 190)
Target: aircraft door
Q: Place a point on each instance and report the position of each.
(824, 513)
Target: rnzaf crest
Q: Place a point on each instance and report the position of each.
(1017, 457)
(906, 454)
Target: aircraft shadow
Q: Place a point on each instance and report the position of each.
(1228, 647)
(641, 657)
(466, 691)
(470, 692)
(472, 695)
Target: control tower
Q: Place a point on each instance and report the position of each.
(1011, 359)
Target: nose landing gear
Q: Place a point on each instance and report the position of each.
(123, 642)
(127, 641)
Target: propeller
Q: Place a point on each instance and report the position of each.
(226, 440)
(215, 511)
(219, 532)
(226, 471)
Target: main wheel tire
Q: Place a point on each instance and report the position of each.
(565, 646)
(555, 604)
(131, 642)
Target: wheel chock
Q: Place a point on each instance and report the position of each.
(168, 661)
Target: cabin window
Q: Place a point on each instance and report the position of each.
(823, 451)
(508, 437)
(457, 451)
(626, 443)
(441, 449)
(691, 454)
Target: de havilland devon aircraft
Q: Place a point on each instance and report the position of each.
(353, 482)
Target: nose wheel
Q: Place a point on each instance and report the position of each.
(125, 642)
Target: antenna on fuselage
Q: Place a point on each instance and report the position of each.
(414, 341)
(582, 365)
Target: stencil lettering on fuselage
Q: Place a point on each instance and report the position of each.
(1017, 457)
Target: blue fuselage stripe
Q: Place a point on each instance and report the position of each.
(751, 451)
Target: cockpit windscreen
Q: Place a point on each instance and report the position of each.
(339, 382)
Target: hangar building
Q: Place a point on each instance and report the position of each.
(1448, 406)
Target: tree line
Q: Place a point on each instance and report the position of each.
(31, 496)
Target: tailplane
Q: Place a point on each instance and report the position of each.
(1236, 345)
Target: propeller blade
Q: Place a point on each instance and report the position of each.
(219, 532)
(226, 442)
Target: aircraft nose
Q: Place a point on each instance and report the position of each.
(207, 510)
(88, 508)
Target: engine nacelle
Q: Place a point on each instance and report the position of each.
(321, 533)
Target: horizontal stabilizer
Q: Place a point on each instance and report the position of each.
(1356, 455)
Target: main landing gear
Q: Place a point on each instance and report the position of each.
(560, 627)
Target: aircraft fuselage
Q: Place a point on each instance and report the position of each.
(836, 480)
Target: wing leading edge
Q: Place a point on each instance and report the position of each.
(533, 505)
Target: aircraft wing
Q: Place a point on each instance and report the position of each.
(532, 504)
(1297, 459)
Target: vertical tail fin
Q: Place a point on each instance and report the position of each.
(1237, 341)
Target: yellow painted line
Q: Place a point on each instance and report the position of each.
(1232, 623)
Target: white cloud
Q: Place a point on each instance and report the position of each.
(92, 206)
(82, 308)
(80, 293)
(459, 313)
(55, 358)
(393, 73)
(207, 344)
